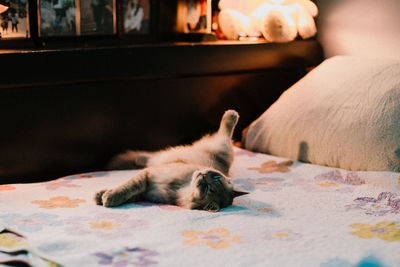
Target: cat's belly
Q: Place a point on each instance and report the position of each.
(159, 197)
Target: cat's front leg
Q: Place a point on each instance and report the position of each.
(121, 194)
(110, 197)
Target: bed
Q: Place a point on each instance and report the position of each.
(296, 214)
(338, 206)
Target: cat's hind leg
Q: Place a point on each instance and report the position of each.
(123, 193)
(228, 123)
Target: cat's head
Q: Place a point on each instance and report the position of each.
(211, 190)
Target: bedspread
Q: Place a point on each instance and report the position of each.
(296, 214)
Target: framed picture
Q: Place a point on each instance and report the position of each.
(97, 17)
(194, 16)
(57, 17)
(14, 21)
(136, 16)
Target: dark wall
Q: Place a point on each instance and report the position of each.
(70, 117)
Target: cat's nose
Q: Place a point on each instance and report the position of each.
(211, 177)
(206, 177)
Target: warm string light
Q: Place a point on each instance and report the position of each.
(3, 8)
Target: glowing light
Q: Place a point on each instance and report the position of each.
(3, 8)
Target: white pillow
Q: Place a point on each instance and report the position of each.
(345, 113)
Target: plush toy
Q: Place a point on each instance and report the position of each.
(276, 20)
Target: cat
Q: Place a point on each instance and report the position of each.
(192, 176)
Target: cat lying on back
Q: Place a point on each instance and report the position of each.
(193, 176)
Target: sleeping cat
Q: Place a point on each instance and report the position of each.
(193, 176)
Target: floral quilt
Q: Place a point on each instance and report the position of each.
(296, 214)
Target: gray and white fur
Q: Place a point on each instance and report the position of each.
(192, 176)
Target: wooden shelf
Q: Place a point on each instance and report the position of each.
(152, 61)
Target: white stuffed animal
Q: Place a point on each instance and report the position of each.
(276, 20)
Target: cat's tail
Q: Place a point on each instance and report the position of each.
(228, 123)
(130, 160)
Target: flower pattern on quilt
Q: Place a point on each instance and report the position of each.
(7, 187)
(219, 238)
(53, 185)
(329, 182)
(386, 202)
(32, 222)
(282, 235)
(264, 184)
(272, 166)
(10, 240)
(266, 210)
(328, 186)
(86, 175)
(335, 177)
(58, 202)
(388, 231)
(136, 256)
(105, 225)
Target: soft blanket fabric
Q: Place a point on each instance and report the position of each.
(296, 214)
(345, 113)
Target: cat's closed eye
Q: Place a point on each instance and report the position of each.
(217, 179)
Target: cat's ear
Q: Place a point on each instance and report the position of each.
(238, 193)
(212, 207)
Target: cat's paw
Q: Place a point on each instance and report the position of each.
(228, 122)
(108, 198)
(98, 197)
(230, 117)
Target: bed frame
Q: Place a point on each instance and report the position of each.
(66, 111)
